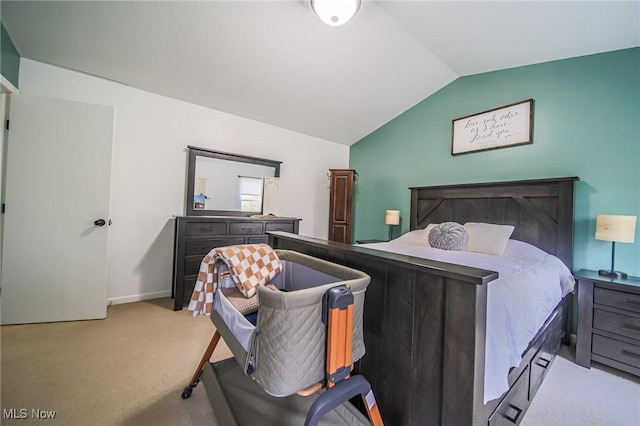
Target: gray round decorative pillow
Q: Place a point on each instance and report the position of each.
(448, 236)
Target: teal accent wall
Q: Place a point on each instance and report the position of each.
(10, 59)
(586, 123)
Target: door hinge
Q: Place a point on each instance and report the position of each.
(2, 208)
(6, 125)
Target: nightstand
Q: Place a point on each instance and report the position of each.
(608, 321)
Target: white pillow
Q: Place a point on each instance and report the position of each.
(417, 236)
(487, 237)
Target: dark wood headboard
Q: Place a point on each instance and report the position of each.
(540, 210)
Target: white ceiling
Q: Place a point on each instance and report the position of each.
(276, 62)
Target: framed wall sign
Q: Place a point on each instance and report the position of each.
(501, 127)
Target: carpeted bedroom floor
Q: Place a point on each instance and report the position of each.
(130, 369)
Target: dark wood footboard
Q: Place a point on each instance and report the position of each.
(424, 329)
(424, 326)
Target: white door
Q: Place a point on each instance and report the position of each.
(58, 172)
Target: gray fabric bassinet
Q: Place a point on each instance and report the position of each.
(285, 351)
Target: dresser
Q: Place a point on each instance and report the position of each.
(195, 236)
(608, 321)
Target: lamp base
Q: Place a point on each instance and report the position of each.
(613, 274)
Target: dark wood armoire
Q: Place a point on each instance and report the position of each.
(341, 204)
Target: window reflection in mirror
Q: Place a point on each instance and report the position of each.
(229, 185)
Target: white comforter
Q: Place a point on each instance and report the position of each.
(531, 283)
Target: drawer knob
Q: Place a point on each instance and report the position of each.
(631, 302)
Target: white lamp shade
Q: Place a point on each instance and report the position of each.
(620, 229)
(335, 12)
(392, 217)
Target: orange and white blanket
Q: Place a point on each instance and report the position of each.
(249, 266)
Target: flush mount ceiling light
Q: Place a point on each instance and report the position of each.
(335, 12)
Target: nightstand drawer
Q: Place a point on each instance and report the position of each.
(612, 322)
(617, 299)
(245, 228)
(616, 350)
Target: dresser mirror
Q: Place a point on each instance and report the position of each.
(225, 184)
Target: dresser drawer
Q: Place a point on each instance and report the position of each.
(245, 228)
(202, 246)
(189, 285)
(258, 240)
(206, 228)
(612, 322)
(616, 350)
(284, 227)
(192, 265)
(617, 299)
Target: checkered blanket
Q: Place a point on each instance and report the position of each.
(249, 266)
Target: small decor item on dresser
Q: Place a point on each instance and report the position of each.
(448, 236)
(617, 229)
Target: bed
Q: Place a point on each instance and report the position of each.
(425, 321)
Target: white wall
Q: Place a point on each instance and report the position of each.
(149, 169)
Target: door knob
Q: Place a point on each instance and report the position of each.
(99, 222)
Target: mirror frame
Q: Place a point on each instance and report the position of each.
(194, 153)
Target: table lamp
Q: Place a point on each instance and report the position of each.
(617, 229)
(391, 218)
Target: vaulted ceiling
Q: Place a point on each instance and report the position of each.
(276, 62)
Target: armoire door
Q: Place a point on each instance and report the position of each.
(58, 174)
(341, 204)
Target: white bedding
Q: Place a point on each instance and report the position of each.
(530, 284)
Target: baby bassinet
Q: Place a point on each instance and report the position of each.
(285, 355)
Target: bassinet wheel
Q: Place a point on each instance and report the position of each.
(186, 393)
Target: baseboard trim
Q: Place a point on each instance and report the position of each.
(138, 297)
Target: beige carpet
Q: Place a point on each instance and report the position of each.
(574, 395)
(130, 369)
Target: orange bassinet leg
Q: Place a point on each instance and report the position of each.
(186, 393)
(341, 386)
